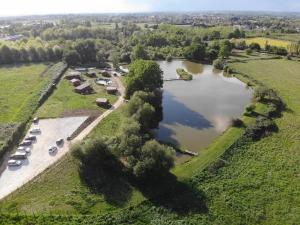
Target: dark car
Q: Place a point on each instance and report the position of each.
(26, 143)
(30, 138)
(59, 142)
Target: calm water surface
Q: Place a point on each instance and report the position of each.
(196, 112)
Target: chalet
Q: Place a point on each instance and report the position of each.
(111, 90)
(91, 74)
(85, 88)
(102, 102)
(75, 82)
(73, 75)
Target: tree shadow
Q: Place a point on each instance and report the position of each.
(166, 191)
(107, 178)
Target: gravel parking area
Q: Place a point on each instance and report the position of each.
(39, 159)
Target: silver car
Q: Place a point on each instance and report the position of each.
(13, 162)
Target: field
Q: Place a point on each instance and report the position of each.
(258, 182)
(19, 95)
(65, 102)
(273, 42)
(22, 83)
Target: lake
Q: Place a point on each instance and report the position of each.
(196, 112)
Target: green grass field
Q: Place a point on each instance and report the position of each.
(258, 183)
(22, 83)
(65, 101)
(273, 42)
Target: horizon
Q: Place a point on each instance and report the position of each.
(63, 7)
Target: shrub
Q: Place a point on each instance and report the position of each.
(219, 64)
(249, 51)
(249, 110)
(236, 122)
(262, 127)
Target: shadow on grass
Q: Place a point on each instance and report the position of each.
(166, 191)
(106, 178)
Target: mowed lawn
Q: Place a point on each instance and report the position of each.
(65, 102)
(19, 87)
(273, 42)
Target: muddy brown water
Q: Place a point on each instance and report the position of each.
(196, 112)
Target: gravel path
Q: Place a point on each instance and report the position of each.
(39, 160)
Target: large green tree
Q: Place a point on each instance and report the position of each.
(143, 75)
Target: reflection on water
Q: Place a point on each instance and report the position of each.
(196, 112)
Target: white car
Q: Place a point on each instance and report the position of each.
(35, 131)
(52, 149)
(13, 162)
(24, 149)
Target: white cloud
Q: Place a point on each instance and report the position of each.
(29, 7)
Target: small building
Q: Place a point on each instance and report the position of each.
(102, 102)
(73, 75)
(111, 90)
(75, 82)
(107, 73)
(91, 74)
(81, 69)
(85, 89)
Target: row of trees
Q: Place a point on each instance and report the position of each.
(13, 55)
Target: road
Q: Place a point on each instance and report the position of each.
(13, 178)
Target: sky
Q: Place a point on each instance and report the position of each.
(37, 7)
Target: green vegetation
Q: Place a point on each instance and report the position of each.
(143, 76)
(21, 91)
(184, 74)
(65, 101)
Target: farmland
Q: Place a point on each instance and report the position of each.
(273, 42)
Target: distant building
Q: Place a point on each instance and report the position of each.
(111, 90)
(85, 88)
(73, 75)
(75, 82)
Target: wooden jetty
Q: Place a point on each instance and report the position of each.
(187, 152)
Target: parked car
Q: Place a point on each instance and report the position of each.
(19, 155)
(59, 142)
(30, 138)
(52, 149)
(14, 162)
(35, 131)
(36, 120)
(24, 149)
(26, 143)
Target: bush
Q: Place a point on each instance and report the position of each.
(262, 127)
(249, 110)
(236, 122)
(249, 51)
(219, 64)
